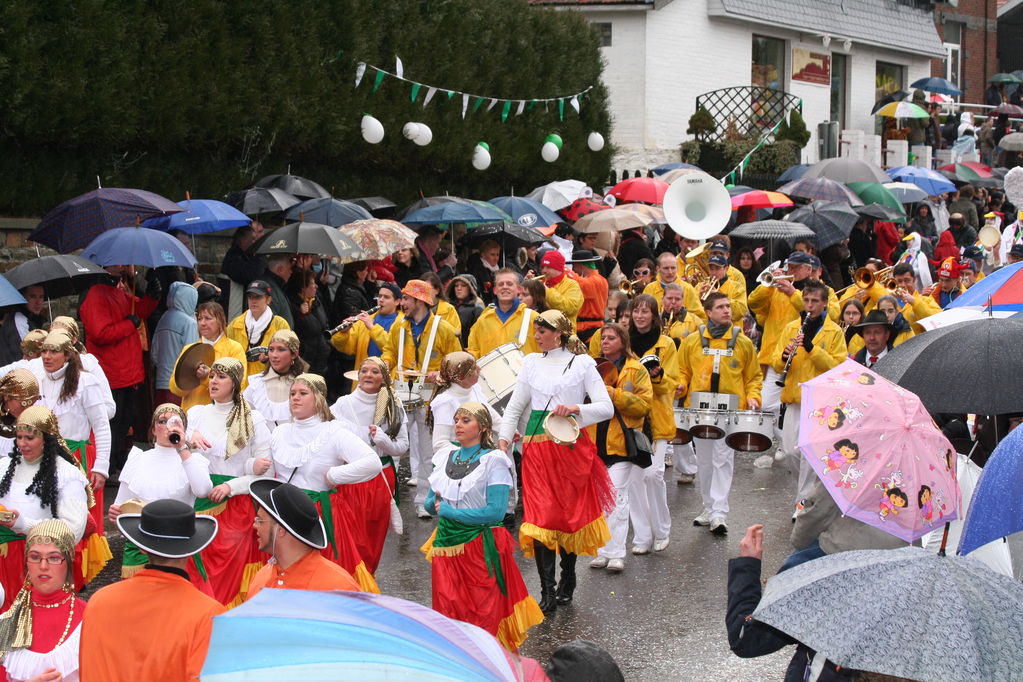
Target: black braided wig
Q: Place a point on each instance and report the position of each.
(44, 484)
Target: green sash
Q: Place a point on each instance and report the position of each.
(8, 535)
(204, 503)
(78, 446)
(389, 461)
(451, 533)
(323, 497)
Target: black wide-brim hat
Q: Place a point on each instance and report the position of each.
(876, 318)
(168, 528)
(292, 508)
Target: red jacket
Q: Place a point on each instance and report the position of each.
(887, 240)
(113, 339)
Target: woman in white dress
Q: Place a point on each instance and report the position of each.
(269, 391)
(39, 480)
(566, 491)
(236, 441)
(373, 413)
(39, 634)
(317, 454)
(172, 469)
(90, 363)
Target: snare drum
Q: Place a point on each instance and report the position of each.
(682, 435)
(750, 431)
(562, 430)
(708, 424)
(409, 398)
(499, 370)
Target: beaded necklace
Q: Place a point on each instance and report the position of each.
(70, 616)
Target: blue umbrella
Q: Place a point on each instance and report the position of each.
(793, 172)
(527, 212)
(454, 212)
(997, 507)
(199, 216)
(78, 221)
(327, 211)
(9, 295)
(1002, 289)
(138, 246)
(932, 182)
(939, 85)
(665, 167)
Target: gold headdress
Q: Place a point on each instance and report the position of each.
(288, 338)
(556, 320)
(319, 386)
(20, 384)
(389, 413)
(239, 422)
(481, 414)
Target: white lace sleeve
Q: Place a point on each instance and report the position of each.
(518, 403)
(600, 407)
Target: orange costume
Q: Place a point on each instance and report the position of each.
(311, 572)
(154, 626)
(594, 288)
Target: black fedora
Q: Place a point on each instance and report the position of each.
(875, 318)
(583, 257)
(168, 528)
(291, 508)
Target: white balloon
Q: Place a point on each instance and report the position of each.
(480, 158)
(595, 142)
(425, 135)
(550, 152)
(372, 129)
(410, 130)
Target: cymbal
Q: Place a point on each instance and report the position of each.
(411, 373)
(191, 357)
(352, 374)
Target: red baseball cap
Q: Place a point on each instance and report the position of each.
(553, 259)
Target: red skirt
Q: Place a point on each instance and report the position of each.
(97, 513)
(233, 557)
(345, 530)
(373, 500)
(565, 493)
(12, 570)
(463, 589)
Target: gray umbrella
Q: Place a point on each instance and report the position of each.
(904, 612)
(957, 368)
(773, 229)
(831, 221)
(310, 238)
(1012, 142)
(844, 169)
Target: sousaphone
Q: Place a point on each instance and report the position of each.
(697, 206)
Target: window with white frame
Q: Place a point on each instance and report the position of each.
(952, 62)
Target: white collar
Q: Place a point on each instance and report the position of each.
(59, 374)
(884, 352)
(216, 340)
(363, 397)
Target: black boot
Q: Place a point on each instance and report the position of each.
(545, 566)
(566, 585)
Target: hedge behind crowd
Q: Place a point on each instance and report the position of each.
(206, 96)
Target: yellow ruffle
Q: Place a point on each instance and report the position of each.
(365, 579)
(586, 540)
(213, 511)
(248, 572)
(430, 551)
(95, 556)
(511, 631)
(129, 571)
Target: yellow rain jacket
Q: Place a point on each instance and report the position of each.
(355, 340)
(922, 306)
(774, 310)
(236, 332)
(200, 395)
(874, 293)
(632, 396)
(567, 297)
(447, 313)
(829, 350)
(736, 297)
(680, 329)
(488, 332)
(690, 297)
(662, 413)
(445, 342)
(739, 375)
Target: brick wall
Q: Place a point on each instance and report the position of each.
(979, 44)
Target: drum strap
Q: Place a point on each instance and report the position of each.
(715, 377)
(524, 329)
(540, 422)
(429, 347)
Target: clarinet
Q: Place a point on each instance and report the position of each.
(347, 324)
(788, 363)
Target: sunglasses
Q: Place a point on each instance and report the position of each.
(641, 272)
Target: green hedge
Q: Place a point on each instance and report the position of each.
(206, 96)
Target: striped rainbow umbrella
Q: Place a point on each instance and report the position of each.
(305, 635)
(902, 110)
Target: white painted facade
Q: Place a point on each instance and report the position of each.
(661, 59)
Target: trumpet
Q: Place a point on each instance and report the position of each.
(537, 278)
(864, 278)
(347, 324)
(709, 286)
(633, 288)
(767, 278)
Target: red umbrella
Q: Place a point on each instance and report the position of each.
(647, 190)
(580, 207)
(981, 169)
(760, 199)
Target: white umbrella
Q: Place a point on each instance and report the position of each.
(964, 314)
(557, 195)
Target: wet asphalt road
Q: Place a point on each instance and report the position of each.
(663, 617)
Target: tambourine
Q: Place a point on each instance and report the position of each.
(561, 430)
(132, 506)
(652, 363)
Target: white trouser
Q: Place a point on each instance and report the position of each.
(794, 460)
(648, 501)
(770, 393)
(685, 459)
(622, 474)
(714, 465)
(420, 452)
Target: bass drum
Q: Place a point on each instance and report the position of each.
(499, 370)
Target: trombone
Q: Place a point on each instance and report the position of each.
(864, 278)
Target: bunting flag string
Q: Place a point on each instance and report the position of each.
(520, 105)
(735, 174)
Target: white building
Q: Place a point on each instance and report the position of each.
(661, 54)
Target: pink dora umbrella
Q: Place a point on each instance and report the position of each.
(876, 448)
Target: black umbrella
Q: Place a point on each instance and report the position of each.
(897, 96)
(378, 206)
(510, 234)
(880, 212)
(428, 201)
(311, 238)
(258, 200)
(58, 275)
(968, 367)
(327, 211)
(303, 188)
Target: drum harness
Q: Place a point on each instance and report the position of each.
(524, 329)
(429, 349)
(718, 353)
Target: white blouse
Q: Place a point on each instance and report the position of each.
(443, 408)
(159, 474)
(469, 492)
(356, 411)
(211, 422)
(269, 394)
(72, 500)
(317, 455)
(547, 380)
(90, 363)
(81, 414)
(22, 664)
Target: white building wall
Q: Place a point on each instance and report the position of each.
(624, 66)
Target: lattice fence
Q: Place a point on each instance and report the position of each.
(746, 112)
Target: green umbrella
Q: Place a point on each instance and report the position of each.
(876, 193)
(1004, 78)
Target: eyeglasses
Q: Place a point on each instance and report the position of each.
(52, 560)
(641, 272)
(259, 522)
